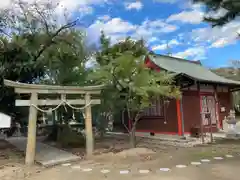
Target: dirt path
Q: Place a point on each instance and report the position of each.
(215, 170)
(11, 163)
(224, 170)
(166, 157)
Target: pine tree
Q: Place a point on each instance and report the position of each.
(232, 8)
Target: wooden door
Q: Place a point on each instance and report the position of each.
(208, 110)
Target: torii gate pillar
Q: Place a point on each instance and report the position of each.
(32, 127)
(88, 127)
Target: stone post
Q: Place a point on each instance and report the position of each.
(231, 121)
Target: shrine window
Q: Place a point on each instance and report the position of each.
(155, 109)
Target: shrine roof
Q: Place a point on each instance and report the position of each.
(191, 69)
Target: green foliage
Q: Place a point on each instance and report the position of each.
(65, 61)
(136, 84)
(32, 40)
(108, 53)
(36, 48)
(131, 84)
(16, 61)
(17, 65)
(232, 8)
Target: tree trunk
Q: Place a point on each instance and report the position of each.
(132, 131)
(132, 137)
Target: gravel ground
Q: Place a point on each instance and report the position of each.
(12, 163)
(12, 168)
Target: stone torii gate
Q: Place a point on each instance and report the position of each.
(35, 89)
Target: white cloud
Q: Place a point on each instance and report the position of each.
(134, 5)
(220, 43)
(149, 29)
(174, 42)
(82, 6)
(86, 10)
(217, 36)
(159, 26)
(143, 32)
(5, 4)
(192, 14)
(153, 39)
(104, 17)
(164, 46)
(159, 47)
(217, 14)
(118, 28)
(194, 53)
(115, 25)
(191, 17)
(169, 28)
(189, 5)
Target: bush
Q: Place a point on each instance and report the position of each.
(69, 138)
(52, 133)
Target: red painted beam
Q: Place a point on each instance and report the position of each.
(151, 65)
(179, 117)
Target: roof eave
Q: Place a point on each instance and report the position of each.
(208, 81)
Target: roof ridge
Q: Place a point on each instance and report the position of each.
(178, 59)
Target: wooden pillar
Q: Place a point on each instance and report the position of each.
(182, 115)
(200, 110)
(88, 126)
(179, 118)
(231, 99)
(219, 123)
(32, 126)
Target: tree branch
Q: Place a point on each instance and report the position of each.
(50, 41)
(20, 3)
(136, 119)
(128, 129)
(43, 19)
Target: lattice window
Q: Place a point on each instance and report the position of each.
(156, 108)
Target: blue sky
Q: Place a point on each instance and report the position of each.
(177, 23)
(173, 26)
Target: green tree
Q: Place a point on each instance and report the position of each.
(28, 30)
(134, 85)
(65, 65)
(27, 33)
(65, 61)
(231, 9)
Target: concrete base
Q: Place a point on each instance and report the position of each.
(173, 140)
(232, 135)
(45, 155)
